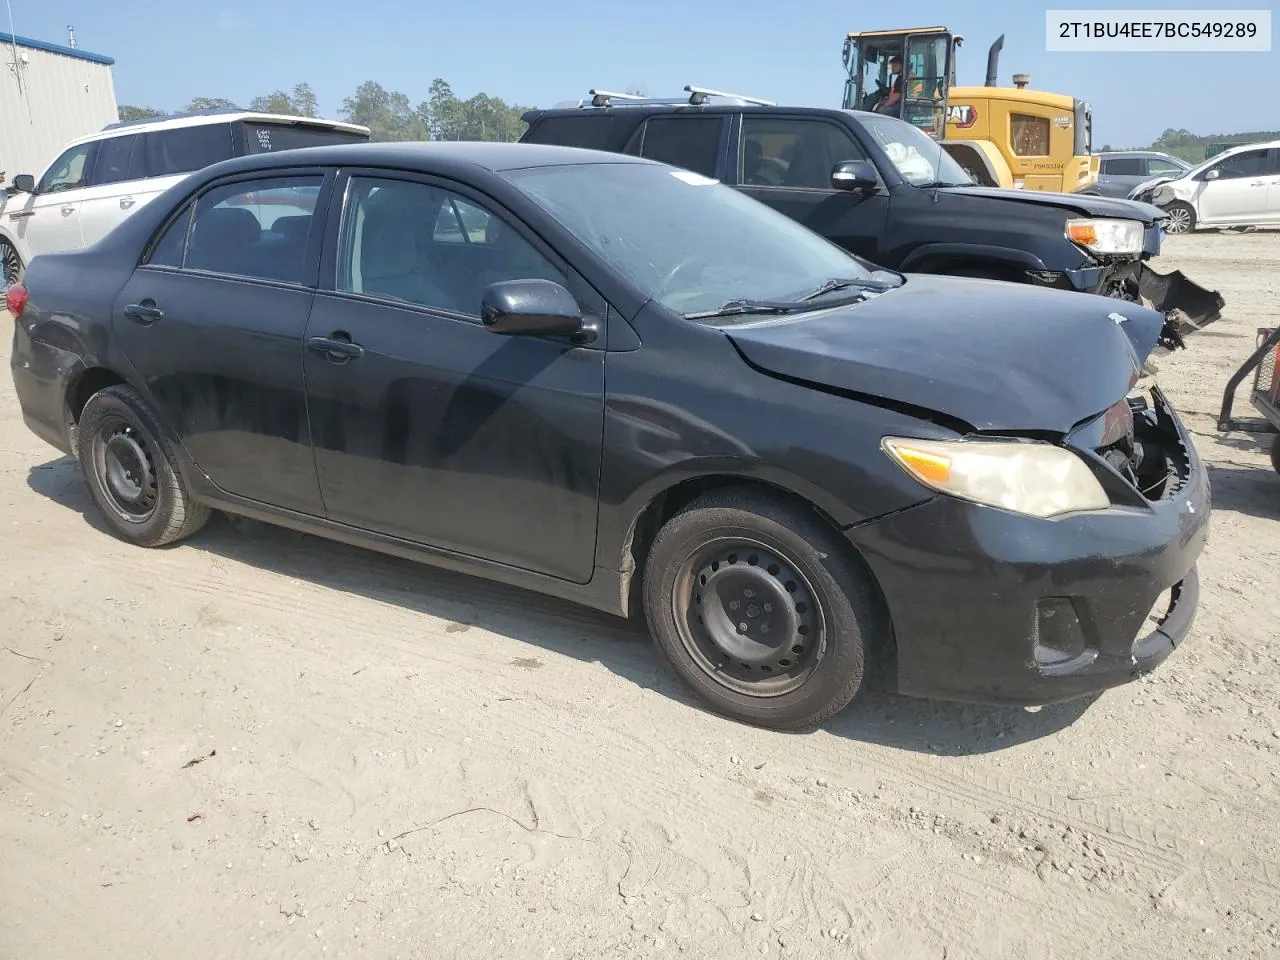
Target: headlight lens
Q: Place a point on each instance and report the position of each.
(1106, 236)
(1033, 478)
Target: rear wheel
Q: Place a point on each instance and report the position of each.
(1182, 218)
(761, 609)
(132, 472)
(10, 264)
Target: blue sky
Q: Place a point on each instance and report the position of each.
(537, 53)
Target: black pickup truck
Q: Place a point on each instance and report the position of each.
(885, 191)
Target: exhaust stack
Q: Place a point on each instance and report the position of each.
(993, 60)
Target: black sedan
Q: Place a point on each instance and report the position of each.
(622, 383)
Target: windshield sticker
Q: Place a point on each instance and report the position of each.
(694, 179)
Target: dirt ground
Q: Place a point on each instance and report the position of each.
(259, 744)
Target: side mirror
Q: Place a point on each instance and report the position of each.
(23, 183)
(854, 175)
(534, 308)
(1213, 174)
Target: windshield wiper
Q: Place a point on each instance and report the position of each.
(837, 283)
(738, 307)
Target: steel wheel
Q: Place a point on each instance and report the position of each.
(125, 466)
(1181, 219)
(748, 617)
(10, 263)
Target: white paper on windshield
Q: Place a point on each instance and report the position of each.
(694, 179)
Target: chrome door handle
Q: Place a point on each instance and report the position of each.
(22, 215)
(127, 202)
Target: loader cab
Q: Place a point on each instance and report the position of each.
(928, 70)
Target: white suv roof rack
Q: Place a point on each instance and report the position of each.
(697, 96)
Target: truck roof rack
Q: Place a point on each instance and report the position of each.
(696, 97)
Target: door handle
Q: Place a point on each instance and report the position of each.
(145, 313)
(337, 347)
(126, 202)
(22, 215)
(68, 211)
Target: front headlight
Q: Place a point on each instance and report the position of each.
(1106, 237)
(1034, 478)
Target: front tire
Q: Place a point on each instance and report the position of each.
(760, 608)
(10, 264)
(1182, 218)
(131, 471)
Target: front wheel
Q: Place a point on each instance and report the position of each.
(761, 610)
(1182, 219)
(132, 471)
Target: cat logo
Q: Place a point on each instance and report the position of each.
(962, 115)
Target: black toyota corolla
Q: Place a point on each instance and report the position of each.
(621, 383)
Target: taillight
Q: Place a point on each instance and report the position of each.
(15, 298)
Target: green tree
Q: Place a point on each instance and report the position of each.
(387, 113)
(200, 104)
(130, 112)
(301, 103)
(481, 117)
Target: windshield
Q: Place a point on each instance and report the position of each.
(688, 242)
(921, 160)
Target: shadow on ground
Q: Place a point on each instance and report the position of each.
(1251, 490)
(877, 716)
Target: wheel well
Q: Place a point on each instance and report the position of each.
(671, 501)
(85, 386)
(972, 267)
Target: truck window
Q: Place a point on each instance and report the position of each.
(171, 152)
(689, 142)
(592, 131)
(1029, 135)
(792, 153)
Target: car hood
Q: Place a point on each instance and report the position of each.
(1080, 203)
(996, 356)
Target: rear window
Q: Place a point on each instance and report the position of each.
(272, 137)
(185, 149)
(599, 131)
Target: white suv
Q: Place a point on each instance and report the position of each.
(1237, 188)
(99, 180)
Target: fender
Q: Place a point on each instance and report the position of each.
(971, 251)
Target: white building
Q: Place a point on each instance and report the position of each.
(49, 95)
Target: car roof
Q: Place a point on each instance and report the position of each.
(495, 157)
(1140, 154)
(180, 121)
(649, 109)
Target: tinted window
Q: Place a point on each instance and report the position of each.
(167, 251)
(1123, 167)
(689, 142)
(112, 165)
(1252, 163)
(1163, 168)
(68, 172)
(598, 131)
(1029, 135)
(170, 152)
(692, 244)
(424, 245)
(271, 137)
(255, 228)
(792, 153)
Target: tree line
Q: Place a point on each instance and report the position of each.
(389, 114)
(1191, 147)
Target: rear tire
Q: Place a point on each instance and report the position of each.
(1182, 218)
(10, 264)
(761, 609)
(132, 472)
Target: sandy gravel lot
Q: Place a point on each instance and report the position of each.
(263, 745)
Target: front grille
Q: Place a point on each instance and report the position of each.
(1266, 378)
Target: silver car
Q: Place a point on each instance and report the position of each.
(1121, 171)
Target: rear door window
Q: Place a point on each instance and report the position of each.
(254, 228)
(272, 137)
(689, 142)
(113, 163)
(182, 150)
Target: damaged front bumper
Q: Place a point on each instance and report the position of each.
(1187, 307)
